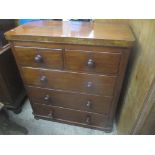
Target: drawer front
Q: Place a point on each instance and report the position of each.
(94, 62)
(39, 57)
(56, 113)
(85, 102)
(96, 84)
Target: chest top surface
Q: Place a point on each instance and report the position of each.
(89, 33)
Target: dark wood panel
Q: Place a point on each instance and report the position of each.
(85, 102)
(11, 83)
(5, 97)
(53, 112)
(94, 62)
(39, 57)
(5, 25)
(97, 84)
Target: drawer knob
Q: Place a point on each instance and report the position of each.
(91, 63)
(46, 98)
(51, 115)
(88, 120)
(38, 58)
(43, 79)
(89, 84)
(88, 104)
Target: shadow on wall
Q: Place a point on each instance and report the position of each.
(132, 60)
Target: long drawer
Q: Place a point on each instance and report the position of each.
(93, 62)
(71, 116)
(81, 82)
(84, 102)
(39, 57)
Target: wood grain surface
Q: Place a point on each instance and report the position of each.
(80, 82)
(90, 33)
(67, 99)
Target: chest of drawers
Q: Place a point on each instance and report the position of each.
(73, 71)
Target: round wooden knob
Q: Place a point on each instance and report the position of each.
(46, 98)
(38, 58)
(89, 84)
(88, 120)
(43, 79)
(88, 104)
(90, 63)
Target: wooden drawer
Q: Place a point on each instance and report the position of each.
(94, 62)
(39, 57)
(96, 84)
(84, 102)
(70, 116)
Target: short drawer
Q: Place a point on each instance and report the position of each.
(93, 62)
(84, 102)
(39, 57)
(71, 116)
(90, 83)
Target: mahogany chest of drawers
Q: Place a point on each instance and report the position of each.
(73, 71)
